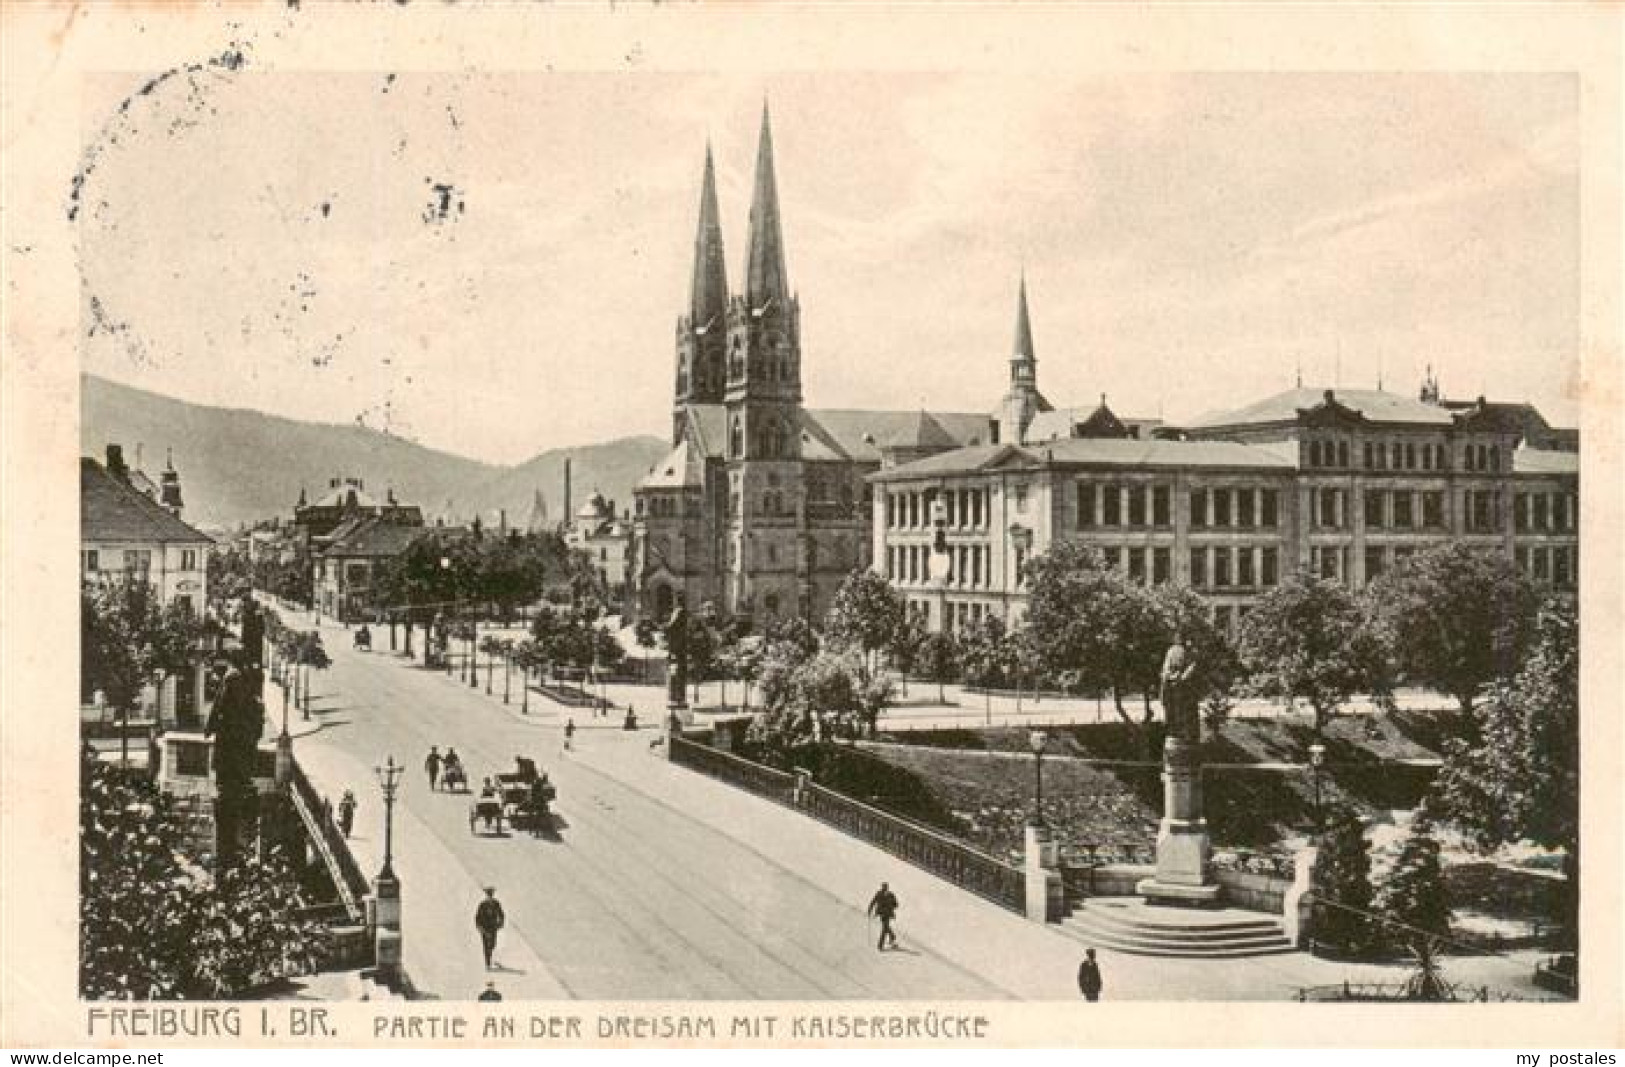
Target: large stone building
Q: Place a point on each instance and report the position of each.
(761, 508)
(1338, 483)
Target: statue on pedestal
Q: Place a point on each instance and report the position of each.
(1183, 876)
(677, 651)
(1179, 695)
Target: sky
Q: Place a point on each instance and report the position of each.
(492, 264)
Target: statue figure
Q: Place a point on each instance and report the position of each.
(236, 721)
(677, 649)
(1179, 696)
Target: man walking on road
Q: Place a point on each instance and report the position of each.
(432, 765)
(489, 919)
(1089, 976)
(884, 904)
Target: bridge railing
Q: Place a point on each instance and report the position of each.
(351, 883)
(954, 861)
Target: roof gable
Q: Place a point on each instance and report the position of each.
(112, 510)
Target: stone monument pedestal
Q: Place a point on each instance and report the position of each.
(387, 928)
(1045, 893)
(1183, 878)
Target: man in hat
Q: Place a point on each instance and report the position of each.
(488, 919)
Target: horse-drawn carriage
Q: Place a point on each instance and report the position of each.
(523, 799)
(363, 639)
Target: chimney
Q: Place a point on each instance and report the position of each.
(567, 512)
(115, 462)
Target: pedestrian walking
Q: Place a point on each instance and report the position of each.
(569, 734)
(432, 766)
(1089, 976)
(347, 812)
(884, 905)
(491, 992)
(488, 919)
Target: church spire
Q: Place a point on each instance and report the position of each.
(1024, 327)
(766, 281)
(708, 293)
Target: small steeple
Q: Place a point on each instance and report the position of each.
(1430, 388)
(767, 284)
(170, 486)
(708, 291)
(1024, 327)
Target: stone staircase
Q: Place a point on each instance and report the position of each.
(1128, 924)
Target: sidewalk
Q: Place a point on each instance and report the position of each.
(440, 948)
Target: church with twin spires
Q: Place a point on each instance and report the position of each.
(762, 507)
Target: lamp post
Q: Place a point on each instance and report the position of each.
(1036, 740)
(387, 887)
(1317, 757)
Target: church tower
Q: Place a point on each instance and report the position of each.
(702, 333)
(763, 398)
(1023, 401)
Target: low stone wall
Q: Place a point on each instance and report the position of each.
(1255, 892)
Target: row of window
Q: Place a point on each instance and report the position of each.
(138, 559)
(1150, 506)
(1404, 456)
(1557, 565)
(1399, 509)
(1224, 567)
(962, 509)
(1545, 512)
(969, 566)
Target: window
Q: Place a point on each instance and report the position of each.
(1221, 507)
(1342, 453)
(1410, 457)
(1271, 500)
(1562, 572)
(1329, 508)
(184, 602)
(1520, 512)
(1373, 509)
(1198, 509)
(1542, 511)
(1245, 507)
(1021, 498)
(1328, 562)
(1136, 564)
(93, 560)
(1370, 461)
(772, 553)
(1198, 567)
(771, 602)
(1161, 559)
(1244, 567)
(1540, 556)
(1268, 563)
(1375, 557)
(1521, 555)
(1159, 506)
(1314, 453)
(188, 559)
(1136, 506)
(1433, 510)
(1402, 517)
(1221, 567)
(1427, 457)
(138, 559)
(1221, 619)
(1112, 507)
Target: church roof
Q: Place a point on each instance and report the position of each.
(1373, 404)
(860, 435)
(681, 469)
(110, 509)
(1024, 327)
(709, 423)
(920, 430)
(708, 290)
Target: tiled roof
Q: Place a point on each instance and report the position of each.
(1373, 404)
(111, 510)
(679, 470)
(860, 435)
(374, 537)
(1543, 461)
(1116, 452)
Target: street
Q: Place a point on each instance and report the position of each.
(631, 898)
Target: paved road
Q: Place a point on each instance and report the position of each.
(629, 898)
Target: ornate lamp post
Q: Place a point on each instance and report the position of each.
(1317, 757)
(387, 887)
(1036, 740)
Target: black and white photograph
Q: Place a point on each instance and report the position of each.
(791, 530)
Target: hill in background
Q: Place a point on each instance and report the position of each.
(239, 466)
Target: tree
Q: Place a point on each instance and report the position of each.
(154, 924)
(867, 616)
(939, 655)
(1308, 640)
(1455, 617)
(528, 657)
(130, 640)
(1413, 897)
(230, 577)
(1517, 776)
(1340, 883)
(647, 634)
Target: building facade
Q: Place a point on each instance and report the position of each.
(130, 532)
(1338, 483)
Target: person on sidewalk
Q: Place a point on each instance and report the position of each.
(569, 734)
(432, 766)
(488, 919)
(347, 812)
(884, 905)
(1089, 976)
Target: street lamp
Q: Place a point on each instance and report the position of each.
(389, 781)
(1036, 740)
(1317, 757)
(440, 637)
